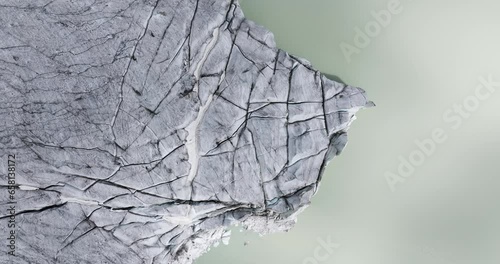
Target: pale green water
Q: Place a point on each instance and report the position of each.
(428, 58)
